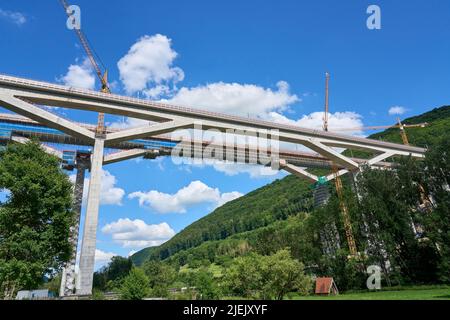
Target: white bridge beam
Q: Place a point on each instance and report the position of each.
(146, 131)
(299, 172)
(126, 155)
(333, 155)
(49, 119)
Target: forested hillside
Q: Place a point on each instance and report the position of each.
(259, 218)
(438, 121)
(276, 201)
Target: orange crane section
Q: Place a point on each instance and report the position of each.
(345, 215)
(325, 116)
(338, 184)
(400, 125)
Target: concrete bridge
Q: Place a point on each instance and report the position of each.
(24, 97)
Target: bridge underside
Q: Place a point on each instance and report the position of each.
(24, 97)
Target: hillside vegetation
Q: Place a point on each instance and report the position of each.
(274, 202)
(438, 121)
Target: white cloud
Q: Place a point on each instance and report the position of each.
(236, 99)
(132, 252)
(195, 193)
(126, 123)
(102, 257)
(254, 171)
(147, 67)
(137, 234)
(397, 110)
(80, 76)
(229, 168)
(231, 98)
(14, 17)
(336, 121)
(109, 193)
(227, 197)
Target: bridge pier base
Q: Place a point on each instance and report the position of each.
(87, 256)
(68, 273)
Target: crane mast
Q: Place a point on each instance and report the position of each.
(325, 116)
(338, 184)
(102, 76)
(425, 202)
(345, 215)
(403, 132)
(418, 125)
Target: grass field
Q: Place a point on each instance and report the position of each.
(416, 293)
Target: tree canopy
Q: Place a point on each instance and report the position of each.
(35, 217)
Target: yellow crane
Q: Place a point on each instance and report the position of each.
(345, 215)
(325, 116)
(399, 125)
(103, 76)
(338, 184)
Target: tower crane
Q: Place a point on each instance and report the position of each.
(102, 76)
(325, 116)
(424, 202)
(399, 125)
(338, 184)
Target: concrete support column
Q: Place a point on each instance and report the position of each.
(321, 195)
(87, 257)
(68, 275)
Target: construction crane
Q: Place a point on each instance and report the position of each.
(400, 125)
(338, 184)
(425, 203)
(102, 76)
(325, 116)
(403, 132)
(345, 215)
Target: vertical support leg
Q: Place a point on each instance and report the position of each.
(68, 275)
(321, 195)
(87, 257)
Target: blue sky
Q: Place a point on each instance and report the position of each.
(264, 58)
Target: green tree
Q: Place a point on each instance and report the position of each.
(243, 278)
(281, 274)
(267, 277)
(35, 219)
(206, 285)
(161, 275)
(111, 275)
(135, 285)
(53, 285)
(387, 223)
(437, 182)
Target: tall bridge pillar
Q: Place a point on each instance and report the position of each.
(87, 257)
(68, 273)
(321, 195)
